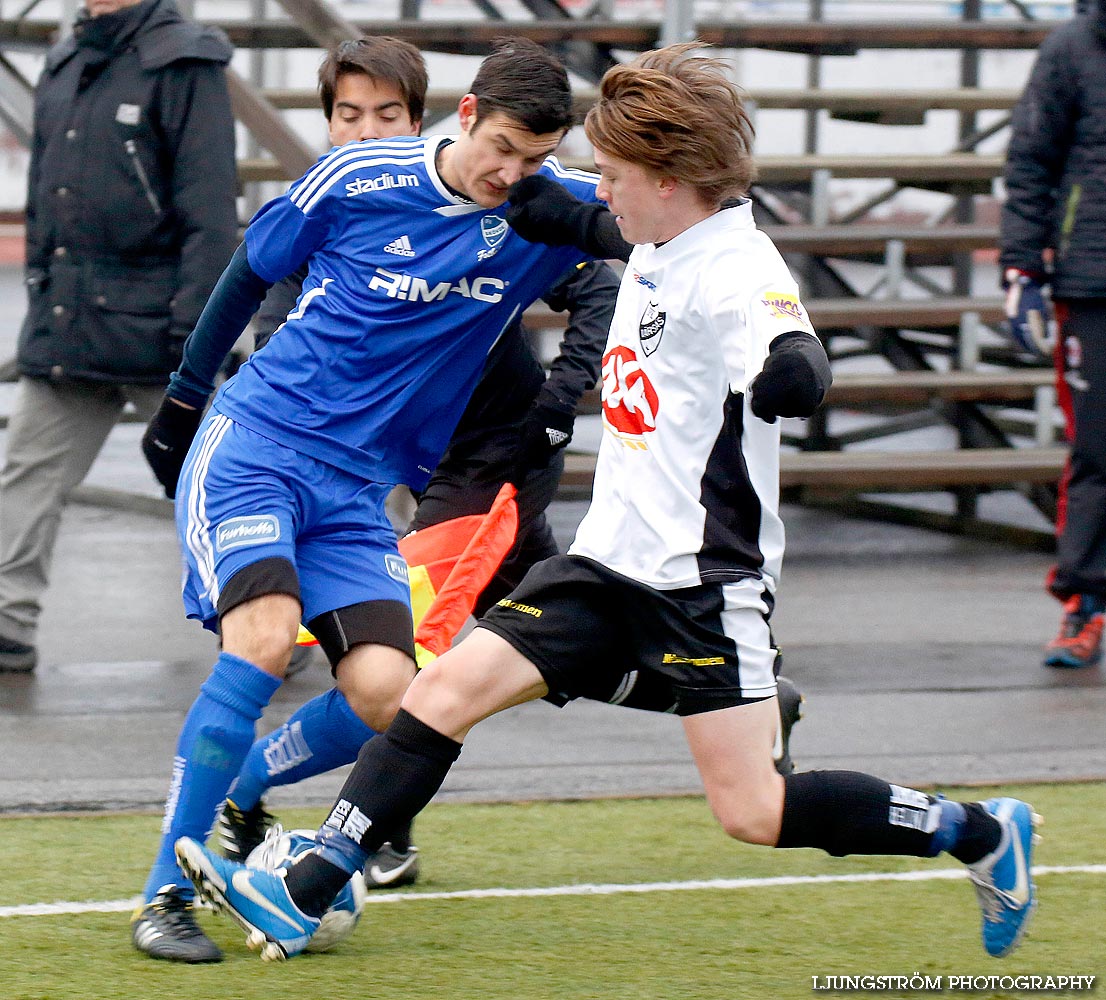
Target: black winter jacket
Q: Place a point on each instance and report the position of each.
(1056, 163)
(131, 196)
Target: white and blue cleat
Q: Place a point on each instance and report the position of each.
(1004, 878)
(258, 900)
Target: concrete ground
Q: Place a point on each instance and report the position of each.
(919, 654)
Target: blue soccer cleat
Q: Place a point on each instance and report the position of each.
(283, 848)
(258, 900)
(1004, 878)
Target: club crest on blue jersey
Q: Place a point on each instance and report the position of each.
(494, 231)
(651, 327)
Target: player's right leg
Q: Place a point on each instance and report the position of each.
(843, 812)
(357, 604)
(396, 775)
(236, 522)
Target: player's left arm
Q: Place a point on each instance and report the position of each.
(795, 374)
(559, 207)
(794, 379)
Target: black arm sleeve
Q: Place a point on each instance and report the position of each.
(794, 380)
(279, 302)
(233, 302)
(542, 211)
(605, 239)
(588, 292)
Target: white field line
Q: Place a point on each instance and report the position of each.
(125, 905)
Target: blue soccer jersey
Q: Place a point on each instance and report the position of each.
(408, 287)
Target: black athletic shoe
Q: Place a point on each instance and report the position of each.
(239, 832)
(166, 928)
(791, 711)
(16, 657)
(388, 868)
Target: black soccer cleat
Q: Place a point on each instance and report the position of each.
(791, 711)
(388, 868)
(240, 831)
(166, 928)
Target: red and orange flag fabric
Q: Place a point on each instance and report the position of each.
(449, 564)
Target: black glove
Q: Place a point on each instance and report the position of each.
(545, 431)
(542, 211)
(794, 379)
(167, 439)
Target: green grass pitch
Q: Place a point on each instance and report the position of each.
(712, 943)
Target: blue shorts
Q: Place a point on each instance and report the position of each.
(243, 498)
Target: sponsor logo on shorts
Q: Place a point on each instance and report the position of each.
(235, 532)
(396, 567)
(526, 609)
(785, 306)
(695, 661)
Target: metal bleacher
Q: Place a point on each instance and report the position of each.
(913, 341)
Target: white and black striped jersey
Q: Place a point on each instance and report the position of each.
(687, 479)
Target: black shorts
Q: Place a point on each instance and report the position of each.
(586, 628)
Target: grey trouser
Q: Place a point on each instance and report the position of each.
(55, 432)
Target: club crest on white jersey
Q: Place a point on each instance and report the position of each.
(650, 327)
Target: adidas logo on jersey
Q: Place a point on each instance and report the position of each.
(555, 436)
(401, 247)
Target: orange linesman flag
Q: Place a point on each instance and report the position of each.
(449, 564)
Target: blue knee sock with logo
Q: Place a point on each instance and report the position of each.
(213, 742)
(321, 735)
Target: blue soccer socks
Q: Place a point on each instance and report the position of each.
(215, 738)
(321, 735)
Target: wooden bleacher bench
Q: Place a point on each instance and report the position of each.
(934, 172)
(921, 243)
(943, 313)
(920, 387)
(472, 37)
(871, 471)
(917, 388)
(849, 313)
(854, 471)
(888, 107)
